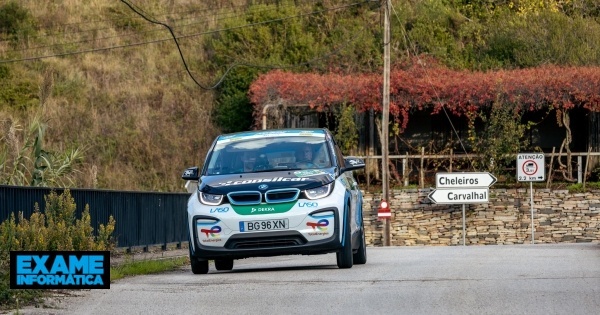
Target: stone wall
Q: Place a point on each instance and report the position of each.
(559, 216)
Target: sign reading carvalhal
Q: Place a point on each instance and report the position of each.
(462, 188)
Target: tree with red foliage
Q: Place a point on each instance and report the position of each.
(425, 85)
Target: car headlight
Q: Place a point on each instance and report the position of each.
(319, 192)
(210, 199)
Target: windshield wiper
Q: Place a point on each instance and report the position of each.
(263, 171)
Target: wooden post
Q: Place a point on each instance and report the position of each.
(451, 153)
(405, 171)
(549, 180)
(587, 161)
(421, 170)
(385, 116)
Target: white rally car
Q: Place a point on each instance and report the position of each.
(275, 192)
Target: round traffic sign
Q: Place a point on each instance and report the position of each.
(530, 167)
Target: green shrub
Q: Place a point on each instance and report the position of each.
(595, 175)
(346, 133)
(55, 229)
(578, 188)
(29, 162)
(15, 21)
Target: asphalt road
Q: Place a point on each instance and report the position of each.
(503, 279)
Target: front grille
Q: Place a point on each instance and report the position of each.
(265, 242)
(271, 196)
(282, 195)
(245, 197)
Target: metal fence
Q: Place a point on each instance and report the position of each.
(143, 219)
(146, 219)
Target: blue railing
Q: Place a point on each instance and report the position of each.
(143, 219)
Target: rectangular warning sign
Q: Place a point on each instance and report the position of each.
(531, 167)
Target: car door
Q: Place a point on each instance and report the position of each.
(351, 185)
(356, 200)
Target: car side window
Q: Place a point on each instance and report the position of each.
(339, 156)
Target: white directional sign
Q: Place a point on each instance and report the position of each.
(467, 187)
(460, 195)
(464, 180)
(530, 167)
(462, 188)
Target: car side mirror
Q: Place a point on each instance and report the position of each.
(191, 174)
(353, 163)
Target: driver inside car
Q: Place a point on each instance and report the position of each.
(245, 162)
(304, 157)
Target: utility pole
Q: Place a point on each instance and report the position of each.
(386, 116)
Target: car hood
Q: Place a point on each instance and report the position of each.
(301, 179)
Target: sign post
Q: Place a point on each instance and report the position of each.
(530, 168)
(464, 225)
(462, 188)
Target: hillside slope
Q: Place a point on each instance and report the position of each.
(134, 111)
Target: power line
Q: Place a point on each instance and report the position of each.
(123, 35)
(167, 39)
(175, 38)
(135, 9)
(140, 12)
(224, 14)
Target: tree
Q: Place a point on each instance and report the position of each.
(233, 111)
(501, 137)
(346, 133)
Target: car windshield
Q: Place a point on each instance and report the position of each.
(237, 155)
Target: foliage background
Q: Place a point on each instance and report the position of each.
(135, 116)
(56, 229)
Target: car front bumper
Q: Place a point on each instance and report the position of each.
(237, 245)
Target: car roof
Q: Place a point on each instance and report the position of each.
(320, 132)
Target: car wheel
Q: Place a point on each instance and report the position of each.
(344, 256)
(199, 267)
(360, 257)
(224, 264)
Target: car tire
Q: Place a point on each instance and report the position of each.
(224, 264)
(344, 256)
(360, 257)
(199, 267)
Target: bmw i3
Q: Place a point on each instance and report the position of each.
(274, 192)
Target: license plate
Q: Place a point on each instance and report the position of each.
(264, 225)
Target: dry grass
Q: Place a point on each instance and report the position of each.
(140, 117)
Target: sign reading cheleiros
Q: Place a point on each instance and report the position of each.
(60, 270)
(464, 180)
(461, 188)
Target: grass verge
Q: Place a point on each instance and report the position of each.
(144, 267)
